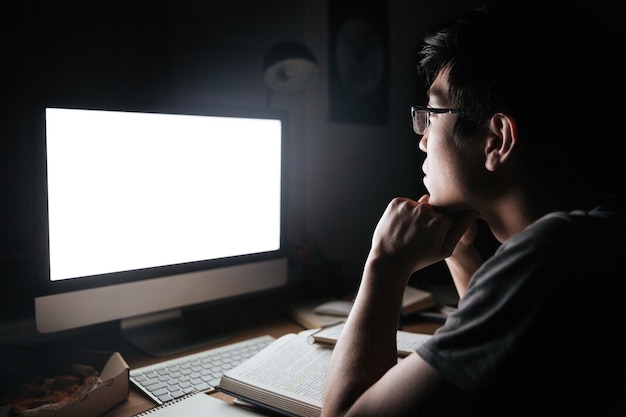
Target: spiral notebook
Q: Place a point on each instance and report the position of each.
(197, 404)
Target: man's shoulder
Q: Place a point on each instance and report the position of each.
(603, 217)
(601, 225)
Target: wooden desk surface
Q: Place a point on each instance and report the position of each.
(137, 402)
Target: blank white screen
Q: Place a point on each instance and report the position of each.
(130, 190)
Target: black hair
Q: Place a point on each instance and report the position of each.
(545, 67)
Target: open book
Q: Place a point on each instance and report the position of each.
(406, 342)
(288, 376)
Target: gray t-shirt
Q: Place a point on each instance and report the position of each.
(542, 324)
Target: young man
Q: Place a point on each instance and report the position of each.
(519, 130)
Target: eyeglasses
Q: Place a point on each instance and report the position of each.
(421, 116)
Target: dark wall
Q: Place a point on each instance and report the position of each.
(342, 172)
(190, 51)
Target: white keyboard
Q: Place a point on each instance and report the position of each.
(171, 379)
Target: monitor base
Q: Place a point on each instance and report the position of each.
(168, 333)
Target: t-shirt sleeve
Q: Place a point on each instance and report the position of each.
(502, 330)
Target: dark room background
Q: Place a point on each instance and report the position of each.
(351, 147)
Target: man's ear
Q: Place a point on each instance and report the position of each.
(501, 141)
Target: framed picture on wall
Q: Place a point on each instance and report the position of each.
(359, 62)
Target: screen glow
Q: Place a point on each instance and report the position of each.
(129, 190)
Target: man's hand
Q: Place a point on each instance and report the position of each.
(413, 234)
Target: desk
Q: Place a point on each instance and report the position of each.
(137, 402)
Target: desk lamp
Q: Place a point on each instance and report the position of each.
(289, 67)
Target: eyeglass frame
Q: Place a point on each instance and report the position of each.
(426, 110)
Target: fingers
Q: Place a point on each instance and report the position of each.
(416, 235)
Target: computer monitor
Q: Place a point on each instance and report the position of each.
(149, 208)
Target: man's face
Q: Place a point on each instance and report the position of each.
(449, 171)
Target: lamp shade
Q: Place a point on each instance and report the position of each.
(289, 67)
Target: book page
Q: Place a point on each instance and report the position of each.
(406, 342)
(197, 404)
(415, 299)
(290, 367)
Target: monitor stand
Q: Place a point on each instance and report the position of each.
(168, 333)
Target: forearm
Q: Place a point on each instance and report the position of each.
(462, 268)
(409, 236)
(366, 349)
